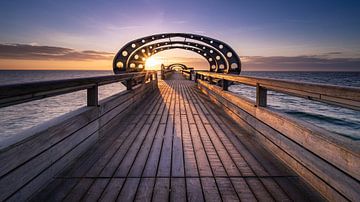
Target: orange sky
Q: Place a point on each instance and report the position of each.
(166, 57)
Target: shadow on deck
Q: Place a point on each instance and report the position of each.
(177, 146)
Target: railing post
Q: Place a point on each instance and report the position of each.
(196, 77)
(225, 84)
(162, 74)
(129, 84)
(210, 80)
(261, 96)
(92, 96)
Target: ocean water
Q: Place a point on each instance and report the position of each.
(345, 122)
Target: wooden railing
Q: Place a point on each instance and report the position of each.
(33, 157)
(328, 161)
(187, 73)
(338, 95)
(165, 73)
(20, 93)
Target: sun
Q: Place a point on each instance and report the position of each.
(152, 63)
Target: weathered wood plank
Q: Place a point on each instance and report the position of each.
(177, 151)
(194, 190)
(178, 189)
(128, 190)
(161, 190)
(94, 193)
(243, 190)
(111, 192)
(210, 189)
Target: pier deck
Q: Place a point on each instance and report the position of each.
(177, 146)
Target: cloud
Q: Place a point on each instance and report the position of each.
(301, 63)
(34, 52)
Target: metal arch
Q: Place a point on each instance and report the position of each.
(139, 56)
(120, 61)
(211, 60)
(217, 60)
(205, 51)
(177, 65)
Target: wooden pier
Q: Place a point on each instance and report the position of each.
(175, 140)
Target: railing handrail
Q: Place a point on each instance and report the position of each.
(338, 95)
(13, 94)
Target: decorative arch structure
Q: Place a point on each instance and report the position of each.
(172, 66)
(220, 56)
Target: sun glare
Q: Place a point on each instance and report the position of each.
(152, 63)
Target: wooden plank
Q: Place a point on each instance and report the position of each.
(142, 155)
(224, 156)
(177, 151)
(226, 189)
(154, 154)
(94, 193)
(178, 190)
(259, 190)
(161, 189)
(79, 190)
(243, 190)
(165, 157)
(194, 190)
(145, 190)
(110, 193)
(56, 191)
(131, 153)
(215, 162)
(275, 190)
(201, 158)
(210, 189)
(108, 165)
(151, 142)
(110, 160)
(189, 155)
(128, 190)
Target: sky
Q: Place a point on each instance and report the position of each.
(278, 35)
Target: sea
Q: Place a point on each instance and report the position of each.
(342, 121)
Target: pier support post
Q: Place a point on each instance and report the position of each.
(225, 84)
(129, 84)
(92, 96)
(261, 96)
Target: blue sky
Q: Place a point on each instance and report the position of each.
(253, 28)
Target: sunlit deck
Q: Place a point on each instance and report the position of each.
(177, 146)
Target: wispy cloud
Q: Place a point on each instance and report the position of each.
(179, 22)
(34, 52)
(298, 63)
